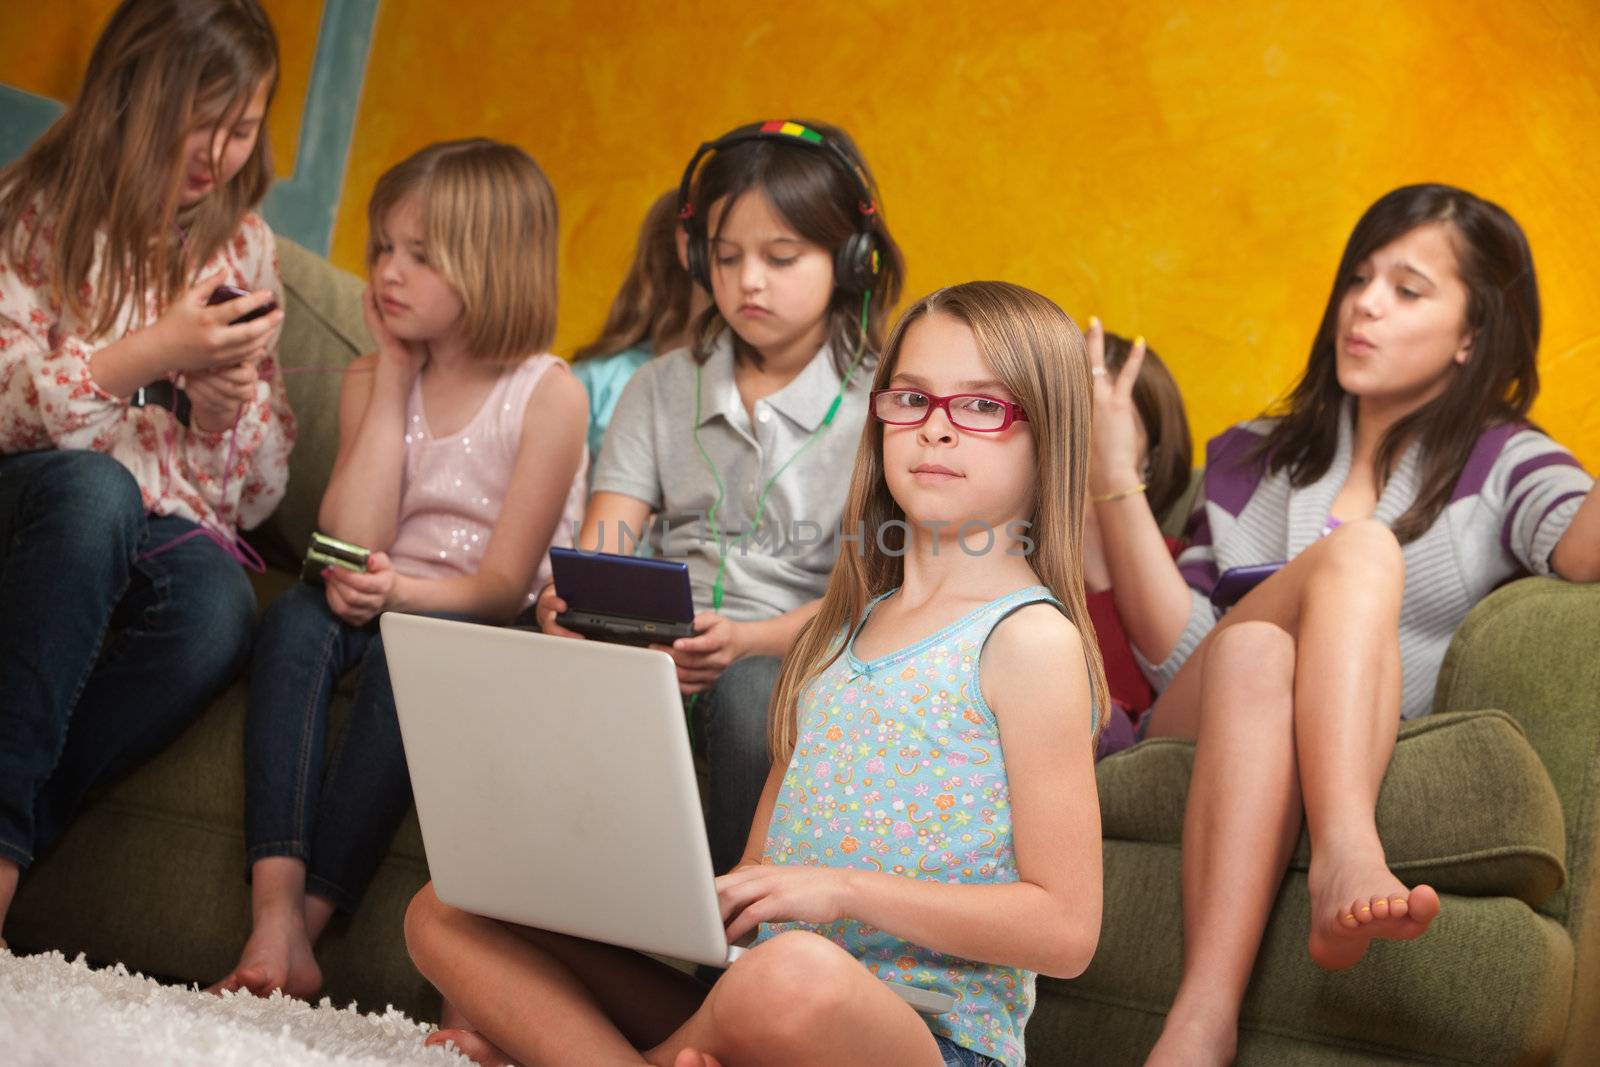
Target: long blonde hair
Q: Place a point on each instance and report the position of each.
(489, 224)
(1038, 354)
(110, 169)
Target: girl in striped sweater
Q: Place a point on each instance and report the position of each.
(1400, 484)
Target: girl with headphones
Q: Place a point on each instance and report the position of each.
(727, 453)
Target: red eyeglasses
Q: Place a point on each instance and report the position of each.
(967, 411)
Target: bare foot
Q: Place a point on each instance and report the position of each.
(10, 874)
(473, 1045)
(1192, 1041)
(693, 1057)
(1354, 901)
(277, 956)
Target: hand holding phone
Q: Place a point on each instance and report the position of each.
(222, 294)
(193, 338)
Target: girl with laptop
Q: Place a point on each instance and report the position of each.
(931, 816)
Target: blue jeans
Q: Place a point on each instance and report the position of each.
(340, 820)
(104, 657)
(955, 1055)
(731, 725)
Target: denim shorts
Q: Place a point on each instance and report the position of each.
(957, 1056)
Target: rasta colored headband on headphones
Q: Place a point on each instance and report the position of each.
(856, 263)
(776, 130)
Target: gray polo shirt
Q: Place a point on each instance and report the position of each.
(650, 455)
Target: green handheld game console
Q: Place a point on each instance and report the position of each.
(326, 551)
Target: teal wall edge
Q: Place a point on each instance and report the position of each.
(303, 206)
(23, 116)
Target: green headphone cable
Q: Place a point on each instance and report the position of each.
(761, 500)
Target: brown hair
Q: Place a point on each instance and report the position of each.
(1038, 354)
(813, 194)
(489, 225)
(653, 303)
(108, 172)
(1497, 384)
(1170, 451)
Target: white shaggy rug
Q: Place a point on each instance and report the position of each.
(53, 1012)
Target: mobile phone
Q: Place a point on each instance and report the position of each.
(224, 293)
(1235, 582)
(326, 551)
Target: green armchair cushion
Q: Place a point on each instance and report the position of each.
(1531, 648)
(1494, 829)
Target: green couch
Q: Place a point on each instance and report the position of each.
(1492, 800)
(1496, 808)
(152, 873)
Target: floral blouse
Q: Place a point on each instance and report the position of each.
(49, 398)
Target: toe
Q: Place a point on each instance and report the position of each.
(259, 980)
(229, 984)
(1423, 904)
(1380, 907)
(1399, 907)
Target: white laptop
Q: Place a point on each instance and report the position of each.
(555, 787)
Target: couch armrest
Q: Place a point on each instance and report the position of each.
(1532, 649)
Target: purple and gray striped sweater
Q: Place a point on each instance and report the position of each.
(1515, 499)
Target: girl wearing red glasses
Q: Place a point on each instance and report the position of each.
(930, 818)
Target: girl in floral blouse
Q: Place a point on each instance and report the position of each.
(931, 816)
(140, 425)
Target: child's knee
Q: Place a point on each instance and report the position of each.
(1369, 548)
(91, 502)
(97, 483)
(422, 920)
(807, 974)
(1253, 652)
(298, 618)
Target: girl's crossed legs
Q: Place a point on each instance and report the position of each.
(795, 1000)
(1294, 702)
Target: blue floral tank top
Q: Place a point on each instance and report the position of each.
(898, 768)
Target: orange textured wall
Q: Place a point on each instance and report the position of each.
(1188, 170)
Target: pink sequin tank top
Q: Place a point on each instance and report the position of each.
(453, 487)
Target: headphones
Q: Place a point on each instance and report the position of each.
(855, 263)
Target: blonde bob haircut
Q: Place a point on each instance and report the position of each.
(489, 226)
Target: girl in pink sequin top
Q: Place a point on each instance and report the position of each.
(461, 461)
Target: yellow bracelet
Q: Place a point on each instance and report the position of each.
(1105, 498)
